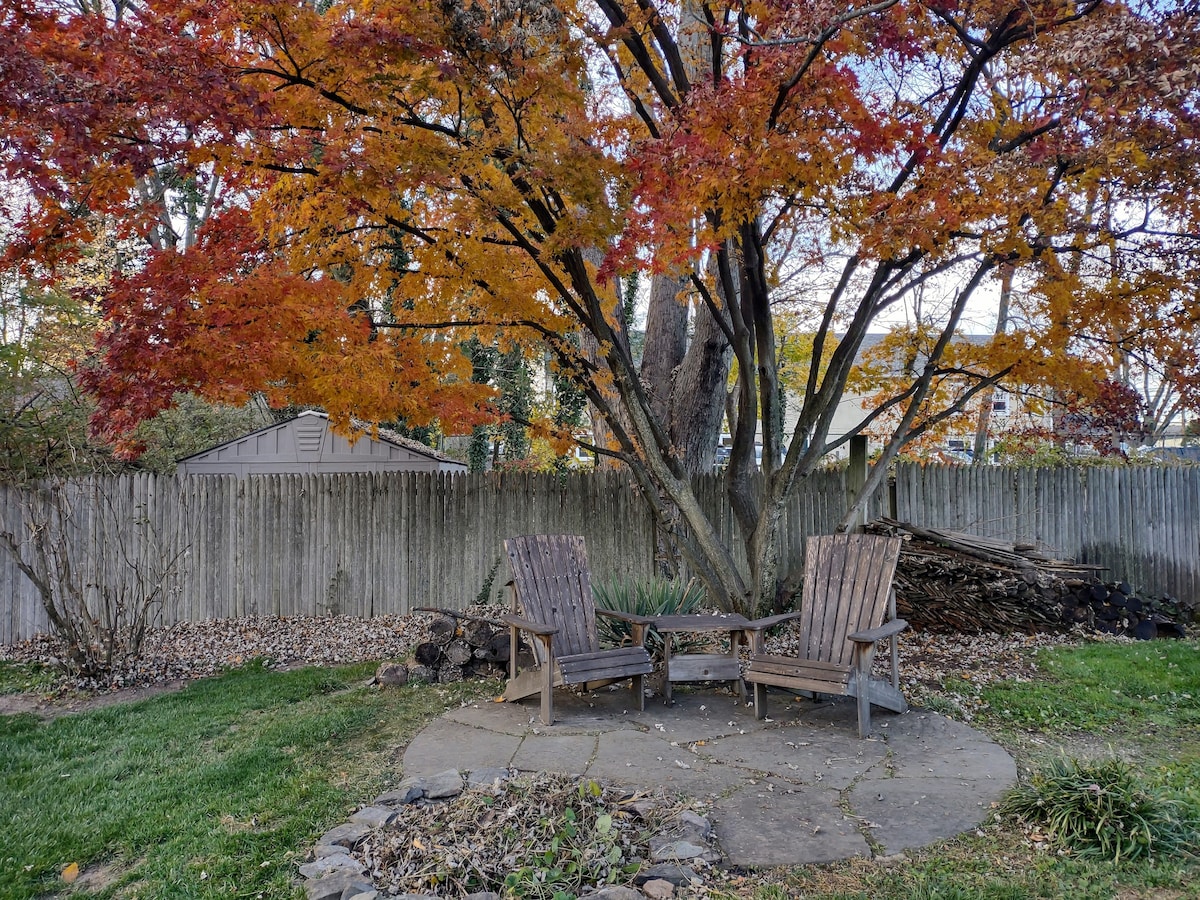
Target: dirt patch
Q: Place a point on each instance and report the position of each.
(48, 708)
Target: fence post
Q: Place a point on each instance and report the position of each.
(856, 477)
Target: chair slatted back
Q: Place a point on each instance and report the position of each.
(847, 579)
(554, 587)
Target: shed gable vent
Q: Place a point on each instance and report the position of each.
(309, 436)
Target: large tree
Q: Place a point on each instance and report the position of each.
(831, 160)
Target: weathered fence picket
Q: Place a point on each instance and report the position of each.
(384, 543)
(1141, 523)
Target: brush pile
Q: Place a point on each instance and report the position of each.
(953, 582)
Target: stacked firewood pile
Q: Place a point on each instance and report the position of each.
(1116, 608)
(458, 647)
(948, 581)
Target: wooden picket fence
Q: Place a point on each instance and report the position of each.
(370, 544)
(1141, 523)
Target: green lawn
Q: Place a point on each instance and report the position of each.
(16, 678)
(220, 789)
(215, 791)
(1130, 691)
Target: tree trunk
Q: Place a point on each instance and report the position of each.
(666, 344)
(698, 394)
(985, 402)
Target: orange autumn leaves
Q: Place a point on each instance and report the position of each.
(392, 176)
(227, 320)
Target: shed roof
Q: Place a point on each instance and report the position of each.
(306, 444)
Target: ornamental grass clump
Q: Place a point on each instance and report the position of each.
(1099, 809)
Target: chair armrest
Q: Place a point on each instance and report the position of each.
(871, 635)
(631, 618)
(637, 624)
(527, 625)
(769, 621)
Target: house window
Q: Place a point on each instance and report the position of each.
(1000, 403)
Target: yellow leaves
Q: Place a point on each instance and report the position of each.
(70, 873)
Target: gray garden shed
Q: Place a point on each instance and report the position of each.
(306, 444)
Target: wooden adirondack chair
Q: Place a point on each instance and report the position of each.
(847, 592)
(552, 601)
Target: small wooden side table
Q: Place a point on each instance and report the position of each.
(703, 666)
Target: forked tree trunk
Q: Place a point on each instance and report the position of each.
(698, 395)
(666, 343)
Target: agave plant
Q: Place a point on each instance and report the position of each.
(647, 597)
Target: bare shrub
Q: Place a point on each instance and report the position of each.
(101, 566)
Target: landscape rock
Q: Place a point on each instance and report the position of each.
(331, 865)
(668, 849)
(347, 835)
(615, 892)
(330, 887)
(487, 777)
(402, 797)
(440, 786)
(642, 807)
(658, 889)
(374, 816)
(694, 824)
(680, 876)
(328, 850)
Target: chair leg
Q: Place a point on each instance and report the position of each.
(864, 703)
(548, 694)
(639, 692)
(760, 701)
(864, 655)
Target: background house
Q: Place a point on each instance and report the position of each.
(1009, 413)
(306, 444)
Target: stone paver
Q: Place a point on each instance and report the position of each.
(903, 813)
(570, 753)
(446, 744)
(646, 760)
(834, 760)
(773, 823)
(798, 788)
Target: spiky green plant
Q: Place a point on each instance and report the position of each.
(646, 597)
(1100, 809)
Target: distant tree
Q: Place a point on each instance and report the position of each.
(1105, 420)
(1191, 433)
(193, 424)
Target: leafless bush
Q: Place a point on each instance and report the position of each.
(101, 568)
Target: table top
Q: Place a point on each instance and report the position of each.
(724, 622)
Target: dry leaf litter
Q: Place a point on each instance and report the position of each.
(536, 834)
(189, 650)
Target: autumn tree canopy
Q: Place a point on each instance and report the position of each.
(335, 196)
